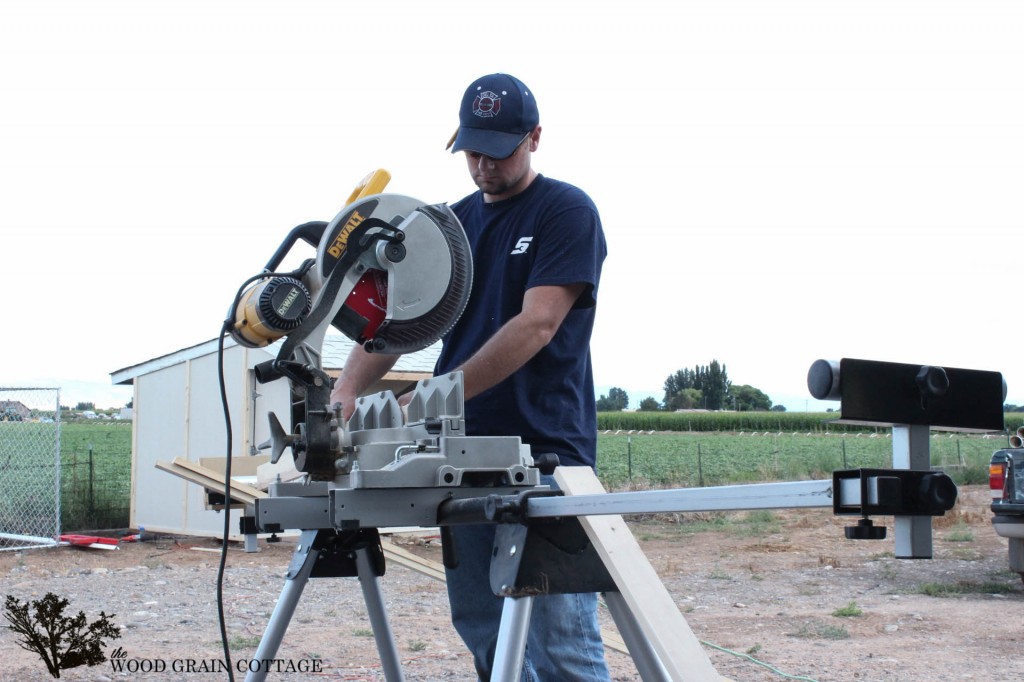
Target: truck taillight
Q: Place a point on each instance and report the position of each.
(997, 479)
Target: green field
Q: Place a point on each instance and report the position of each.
(95, 475)
(720, 458)
(96, 460)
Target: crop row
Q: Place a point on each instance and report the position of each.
(744, 421)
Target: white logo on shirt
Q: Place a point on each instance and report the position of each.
(522, 245)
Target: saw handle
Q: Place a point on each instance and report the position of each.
(374, 183)
(311, 233)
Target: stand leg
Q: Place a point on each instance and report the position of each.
(911, 450)
(512, 632)
(377, 612)
(294, 584)
(645, 658)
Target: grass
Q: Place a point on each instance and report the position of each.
(851, 610)
(756, 524)
(95, 477)
(959, 533)
(243, 642)
(963, 587)
(683, 459)
(820, 630)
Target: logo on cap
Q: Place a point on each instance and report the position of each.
(487, 104)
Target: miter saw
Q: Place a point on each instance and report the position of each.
(393, 274)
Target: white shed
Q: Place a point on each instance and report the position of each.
(178, 412)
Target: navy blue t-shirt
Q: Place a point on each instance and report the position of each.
(549, 234)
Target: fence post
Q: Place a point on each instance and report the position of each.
(92, 501)
(843, 441)
(629, 457)
(700, 468)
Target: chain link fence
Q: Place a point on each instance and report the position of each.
(29, 467)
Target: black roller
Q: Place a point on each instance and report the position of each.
(823, 380)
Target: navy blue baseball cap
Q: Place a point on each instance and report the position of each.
(498, 111)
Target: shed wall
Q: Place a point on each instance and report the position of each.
(179, 413)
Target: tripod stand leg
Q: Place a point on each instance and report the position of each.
(294, 584)
(645, 658)
(510, 652)
(378, 615)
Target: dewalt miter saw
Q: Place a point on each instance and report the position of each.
(393, 274)
(390, 272)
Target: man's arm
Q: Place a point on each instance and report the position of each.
(511, 347)
(361, 370)
(519, 339)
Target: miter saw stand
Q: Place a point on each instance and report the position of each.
(426, 472)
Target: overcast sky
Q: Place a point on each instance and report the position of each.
(779, 181)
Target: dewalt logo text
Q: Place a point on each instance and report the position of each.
(341, 241)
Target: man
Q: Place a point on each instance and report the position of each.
(523, 347)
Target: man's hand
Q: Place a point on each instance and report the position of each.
(347, 402)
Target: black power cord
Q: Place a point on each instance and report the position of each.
(225, 331)
(227, 502)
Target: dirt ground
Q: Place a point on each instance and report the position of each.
(777, 596)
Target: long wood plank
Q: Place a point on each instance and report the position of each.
(208, 478)
(650, 603)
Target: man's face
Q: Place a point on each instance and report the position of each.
(503, 178)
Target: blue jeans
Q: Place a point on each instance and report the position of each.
(564, 642)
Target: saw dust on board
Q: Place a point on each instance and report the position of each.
(772, 595)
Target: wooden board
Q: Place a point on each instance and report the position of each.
(210, 479)
(650, 603)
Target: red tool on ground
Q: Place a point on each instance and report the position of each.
(93, 541)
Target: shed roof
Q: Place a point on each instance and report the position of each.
(335, 351)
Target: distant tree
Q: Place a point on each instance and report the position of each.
(649, 404)
(1013, 408)
(749, 399)
(616, 401)
(778, 408)
(85, 406)
(129, 403)
(715, 386)
(711, 380)
(682, 379)
(686, 399)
